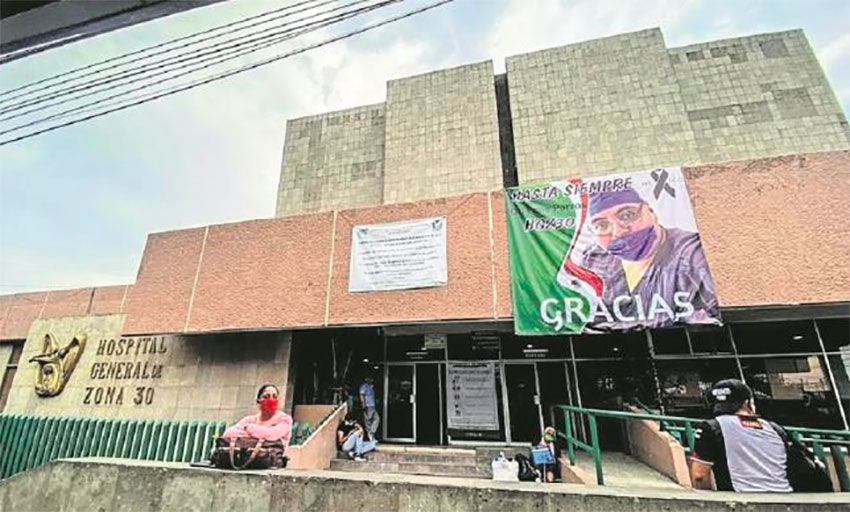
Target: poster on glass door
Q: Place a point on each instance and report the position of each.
(471, 396)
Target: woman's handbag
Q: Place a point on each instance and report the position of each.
(248, 453)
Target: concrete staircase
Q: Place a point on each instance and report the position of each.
(418, 460)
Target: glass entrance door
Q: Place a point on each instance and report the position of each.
(429, 414)
(523, 402)
(400, 413)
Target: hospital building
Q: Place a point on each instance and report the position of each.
(214, 311)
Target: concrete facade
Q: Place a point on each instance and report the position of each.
(619, 103)
(597, 106)
(442, 134)
(758, 96)
(333, 160)
(212, 377)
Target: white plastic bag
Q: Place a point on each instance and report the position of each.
(505, 470)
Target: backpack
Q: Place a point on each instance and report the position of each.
(526, 472)
(806, 473)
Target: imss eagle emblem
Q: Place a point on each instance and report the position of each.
(55, 364)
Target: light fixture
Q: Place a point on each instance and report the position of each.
(797, 337)
(365, 359)
(529, 346)
(616, 349)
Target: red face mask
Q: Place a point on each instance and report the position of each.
(269, 405)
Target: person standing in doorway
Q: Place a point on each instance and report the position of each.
(371, 420)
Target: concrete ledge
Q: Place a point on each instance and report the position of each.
(575, 474)
(109, 484)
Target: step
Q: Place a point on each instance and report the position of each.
(410, 468)
(419, 449)
(381, 455)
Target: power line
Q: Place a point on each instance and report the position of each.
(87, 106)
(213, 78)
(193, 57)
(30, 100)
(155, 46)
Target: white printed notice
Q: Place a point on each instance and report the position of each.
(471, 396)
(398, 256)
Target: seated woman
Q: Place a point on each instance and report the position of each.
(269, 424)
(552, 472)
(351, 438)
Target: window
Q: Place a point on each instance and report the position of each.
(475, 346)
(835, 333)
(670, 342)
(411, 348)
(684, 383)
(614, 345)
(535, 347)
(793, 390)
(710, 340)
(776, 337)
(10, 370)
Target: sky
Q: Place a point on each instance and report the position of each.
(77, 204)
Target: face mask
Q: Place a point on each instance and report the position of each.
(548, 438)
(268, 405)
(634, 246)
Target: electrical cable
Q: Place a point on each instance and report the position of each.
(31, 100)
(242, 69)
(86, 107)
(191, 58)
(158, 45)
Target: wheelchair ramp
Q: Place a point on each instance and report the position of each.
(622, 470)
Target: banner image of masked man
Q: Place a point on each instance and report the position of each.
(607, 253)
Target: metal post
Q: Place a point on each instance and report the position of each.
(578, 387)
(831, 376)
(506, 410)
(440, 397)
(539, 398)
(597, 452)
(568, 429)
(654, 371)
(735, 350)
(690, 435)
(690, 344)
(840, 467)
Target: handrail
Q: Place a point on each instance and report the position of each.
(816, 439)
(27, 442)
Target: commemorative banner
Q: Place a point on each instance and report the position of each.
(607, 253)
(398, 255)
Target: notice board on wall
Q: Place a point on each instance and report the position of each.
(471, 396)
(398, 255)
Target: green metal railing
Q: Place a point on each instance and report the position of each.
(27, 442)
(685, 431)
